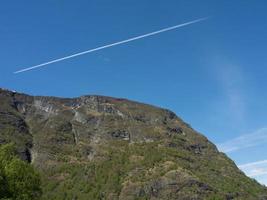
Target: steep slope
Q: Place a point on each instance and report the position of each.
(96, 147)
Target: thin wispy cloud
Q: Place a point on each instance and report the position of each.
(256, 138)
(256, 170)
(111, 45)
(231, 79)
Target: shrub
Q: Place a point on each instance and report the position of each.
(18, 179)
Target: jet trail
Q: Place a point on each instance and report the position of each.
(110, 45)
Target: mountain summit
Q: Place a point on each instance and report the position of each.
(96, 147)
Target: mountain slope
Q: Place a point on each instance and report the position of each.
(96, 147)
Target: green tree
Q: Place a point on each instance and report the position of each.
(18, 179)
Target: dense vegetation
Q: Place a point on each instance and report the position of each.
(18, 179)
(146, 171)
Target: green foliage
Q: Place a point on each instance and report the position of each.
(18, 179)
(141, 164)
(7, 153)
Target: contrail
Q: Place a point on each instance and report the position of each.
(111, 45)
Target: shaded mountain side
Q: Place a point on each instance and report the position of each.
(96, 147)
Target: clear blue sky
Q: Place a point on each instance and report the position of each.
(212, 74)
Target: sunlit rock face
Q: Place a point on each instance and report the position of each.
(96, 147)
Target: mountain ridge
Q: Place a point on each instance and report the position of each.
(98, 147)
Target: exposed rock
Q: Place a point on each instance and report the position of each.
(196, 148)
(120, 134)
(177, 130)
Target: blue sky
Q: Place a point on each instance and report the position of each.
(212, 73)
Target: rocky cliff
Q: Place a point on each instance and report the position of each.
(96, 147)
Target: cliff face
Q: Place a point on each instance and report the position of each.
(96, 147)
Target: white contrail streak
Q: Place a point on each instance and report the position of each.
(111, 45)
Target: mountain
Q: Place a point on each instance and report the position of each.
(96, 147)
